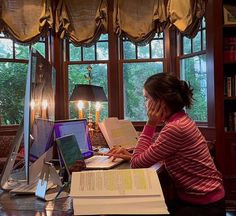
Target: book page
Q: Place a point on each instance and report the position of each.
(129, 134)
(125, 182)
(119, 132)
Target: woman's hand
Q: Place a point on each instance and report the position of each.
(119, 152)
(156, 112)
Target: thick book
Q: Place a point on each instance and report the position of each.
(123, 191)
(118, 132)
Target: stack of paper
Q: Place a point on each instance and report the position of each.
(127, 191)
(119, 132)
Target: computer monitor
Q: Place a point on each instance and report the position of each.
(37, 126)
(79, 128)
(39, 98)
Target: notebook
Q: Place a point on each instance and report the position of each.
(79, 129)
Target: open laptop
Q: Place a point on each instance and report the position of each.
(79, 129)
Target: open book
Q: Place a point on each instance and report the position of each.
(124, 191)
(118, 132)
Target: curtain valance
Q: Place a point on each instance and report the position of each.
(82, 21)
(139, 20)
(25, 20)
(186, 15)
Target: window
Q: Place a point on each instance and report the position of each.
(193, 70)
(138, 63)
(79, 59)
(13, 69)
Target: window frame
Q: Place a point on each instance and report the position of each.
(210, 74)
(137, 124)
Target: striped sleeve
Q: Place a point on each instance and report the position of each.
(147, 153)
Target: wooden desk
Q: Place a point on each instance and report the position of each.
(29, 205)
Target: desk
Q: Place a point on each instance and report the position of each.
(29, 205)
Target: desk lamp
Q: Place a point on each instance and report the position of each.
(90, 93)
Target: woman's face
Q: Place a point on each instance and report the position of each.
(147, 98)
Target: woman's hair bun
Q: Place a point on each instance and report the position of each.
(186, 92)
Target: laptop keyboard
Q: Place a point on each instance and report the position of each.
(99, 161)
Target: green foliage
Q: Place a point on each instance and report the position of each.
(13, 80)
(12, 85)
(194, 71)
(134, 76)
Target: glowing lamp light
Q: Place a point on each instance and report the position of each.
(98, 106)
(44, 104)
(80, 106)
(32, 105)
(44, 109)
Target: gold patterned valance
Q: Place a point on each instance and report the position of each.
(25, 20)
(186, 15)
(82, 21)
(139, 20)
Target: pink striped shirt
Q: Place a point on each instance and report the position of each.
(183, 149)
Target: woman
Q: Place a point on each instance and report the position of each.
(180, 145)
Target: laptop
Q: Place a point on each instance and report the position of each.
(79, 128)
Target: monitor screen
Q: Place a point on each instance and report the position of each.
(79, 128)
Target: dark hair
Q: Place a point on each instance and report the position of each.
(176, 93)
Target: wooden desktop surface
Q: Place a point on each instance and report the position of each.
(29, 205)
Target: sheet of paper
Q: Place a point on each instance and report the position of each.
(128, 182)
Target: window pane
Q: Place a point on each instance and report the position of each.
(102, 51)
(157, 49)
(197, 42)
(75, 53)
(88, 53)
(40, 47)
(22, 52)
(193, 70)
(143, 52)
(187, 45)
(12, 92)
(103, 37)
(77, 74)
(204, 39)
(135, 75)
(129, 50)
(6, 47)
(203, 22)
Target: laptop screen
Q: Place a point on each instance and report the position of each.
(79, 128)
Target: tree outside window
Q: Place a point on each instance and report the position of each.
(193, 70)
